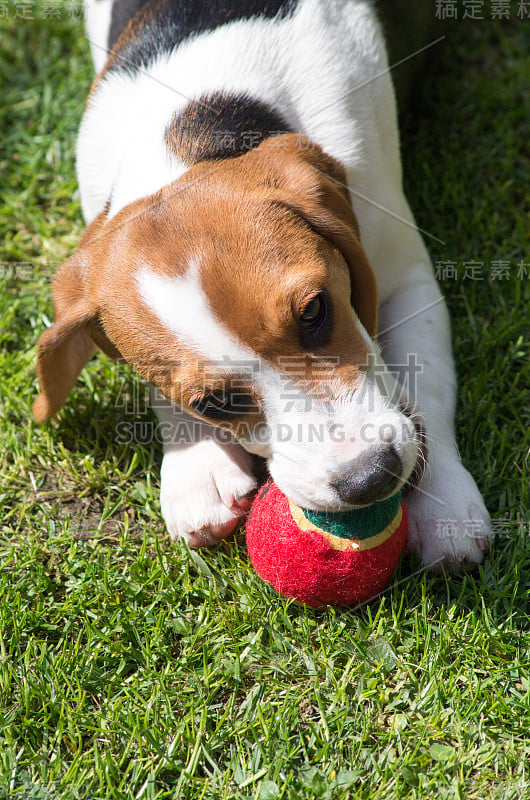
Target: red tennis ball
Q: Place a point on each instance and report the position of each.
(321, 559)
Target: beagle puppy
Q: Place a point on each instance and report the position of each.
(250, 251)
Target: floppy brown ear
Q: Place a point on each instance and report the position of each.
(318, 192)
(67, 346)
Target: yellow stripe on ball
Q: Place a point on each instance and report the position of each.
(339, 543)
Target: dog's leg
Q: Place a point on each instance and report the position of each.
(449, 523)
(206, 477)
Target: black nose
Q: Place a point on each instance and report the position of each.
(369, 477)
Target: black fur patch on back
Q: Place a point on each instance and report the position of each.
(122, 12)
(221, 125)
(159, 26)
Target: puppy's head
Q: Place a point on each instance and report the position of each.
(241, 291)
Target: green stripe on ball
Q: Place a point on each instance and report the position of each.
(360, 523)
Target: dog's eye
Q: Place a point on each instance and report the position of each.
(221, 405)
(315, 321)
(314, 313)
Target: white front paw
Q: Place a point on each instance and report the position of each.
(449, 524)
(205, 491)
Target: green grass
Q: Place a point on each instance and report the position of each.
(130, 667)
